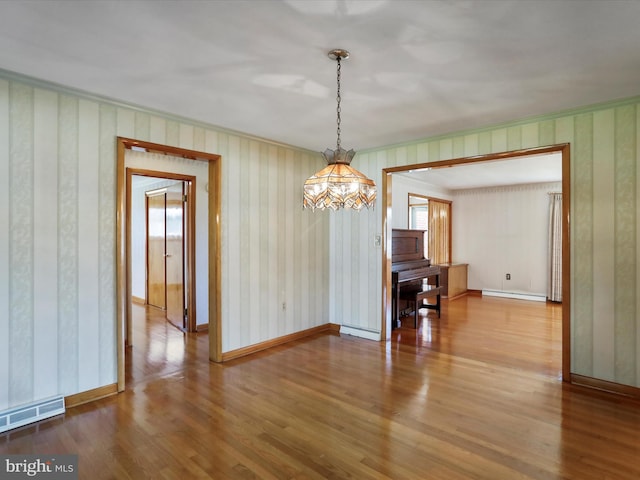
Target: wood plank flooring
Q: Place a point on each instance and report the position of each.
(519, 334)
(474, 395)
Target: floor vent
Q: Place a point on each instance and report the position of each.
(33, 412)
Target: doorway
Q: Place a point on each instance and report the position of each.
(168, 257)
(564, 151)
(123, 243)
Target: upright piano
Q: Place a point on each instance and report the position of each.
(409, 269)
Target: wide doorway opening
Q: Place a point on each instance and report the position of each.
(440, 168)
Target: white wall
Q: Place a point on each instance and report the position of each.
(503, 230)
(402, 187)
(140, 185)
(495, 230)
(195, 168)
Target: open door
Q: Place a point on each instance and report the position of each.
(175, 255)
(166, 251)
(129, 239)
(156, 245)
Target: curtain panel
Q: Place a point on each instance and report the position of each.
(439, 232)
(554, 285)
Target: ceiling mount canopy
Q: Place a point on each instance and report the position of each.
(339, 185)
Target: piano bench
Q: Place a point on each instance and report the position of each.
(417, 296)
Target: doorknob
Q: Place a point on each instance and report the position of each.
(167, 255)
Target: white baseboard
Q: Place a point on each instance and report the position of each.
(519, 296)
(357, 332)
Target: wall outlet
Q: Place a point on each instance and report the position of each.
(377, 240)
(508, 276)
(284, 305)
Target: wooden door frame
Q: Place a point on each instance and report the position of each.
(430, 198)
(189, 224)
(156, 192)
(123, 255)
(186, 198)
(565, 151)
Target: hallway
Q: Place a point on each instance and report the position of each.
(159, 348)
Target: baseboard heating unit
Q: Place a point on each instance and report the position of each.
(517, 295)
(33, 412)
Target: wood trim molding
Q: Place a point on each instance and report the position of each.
(460, 295)
(121, 263)
(90, 395)
(566, 262)
(387, 235)
(138, 300)
(605, 386)
(480, 158)
(215, 261)
(168, 150)
(122, 229)
(258, 347)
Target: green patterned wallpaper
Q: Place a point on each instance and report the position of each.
(605, 326)
(57, 173)
(57, 244)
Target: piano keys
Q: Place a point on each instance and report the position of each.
(409, 269)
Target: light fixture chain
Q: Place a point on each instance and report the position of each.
(338, 185)
(338, 108)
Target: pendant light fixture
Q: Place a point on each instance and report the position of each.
(339, 185)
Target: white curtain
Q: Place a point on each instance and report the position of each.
(554, 285)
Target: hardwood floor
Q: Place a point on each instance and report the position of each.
(474, 395)
(159, 348)
(520, 334)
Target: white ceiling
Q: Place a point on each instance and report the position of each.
(514, 171)
(417, 68)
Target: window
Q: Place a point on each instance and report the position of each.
(419, 217)
(434, 216)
